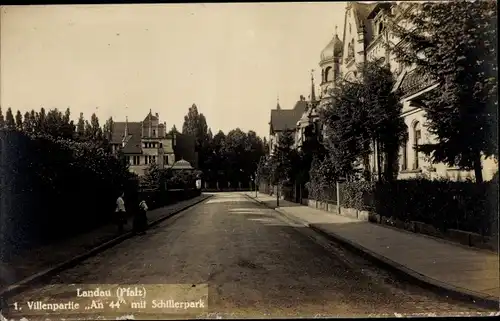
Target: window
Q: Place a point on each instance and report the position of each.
(136, 160)
(154, 133)
(146, 158)
(404, 166)
(417, 135)
(328, 74)
(165, 159)
(350, 49)
(350, 29)
(153, 159)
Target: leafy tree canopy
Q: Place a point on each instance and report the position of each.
(454, 43)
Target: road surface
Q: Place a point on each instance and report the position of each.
(256, 264)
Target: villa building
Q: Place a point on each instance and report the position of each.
(364, 36)
(147, 142)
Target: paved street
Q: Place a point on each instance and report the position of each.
(256, 264)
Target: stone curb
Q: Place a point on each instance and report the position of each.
(489, 302)
(21, 285)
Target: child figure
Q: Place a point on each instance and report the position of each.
(141, 221)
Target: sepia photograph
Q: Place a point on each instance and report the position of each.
(249, 160)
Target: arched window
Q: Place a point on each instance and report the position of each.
(328, 74)
(404, 149)
(323, 75)
(417, 135)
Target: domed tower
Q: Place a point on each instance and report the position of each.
(330, 62)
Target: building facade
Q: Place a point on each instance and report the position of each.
(364, 38)
(146, 142)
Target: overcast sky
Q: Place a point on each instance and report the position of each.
(232, 60)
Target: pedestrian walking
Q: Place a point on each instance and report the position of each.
(120, 213)
(141, 218)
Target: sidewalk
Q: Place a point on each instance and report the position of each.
(32, 262)
(461, 271)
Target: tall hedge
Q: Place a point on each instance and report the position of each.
(53, 188)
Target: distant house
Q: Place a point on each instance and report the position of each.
(284, 120)
(147, 142)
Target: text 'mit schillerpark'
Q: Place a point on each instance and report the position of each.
(394, 146)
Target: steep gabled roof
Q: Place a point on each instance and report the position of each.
(132, 141)
(133, 145)
(287, 118)
(362, 11)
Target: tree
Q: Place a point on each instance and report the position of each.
(30, 122)
(95, 129)
(216, 159)
(347, 136)
(365, 119)
(173, 130)
(266, 145)
(284, 159)
(386, 127)
(195, 124)
(108, 129)
(152, 176)
(311, 148)
(68, 126)
(256, 151)
(455, 45)
(40, 121)
(19, 121)
(80, 127)
(27, 125)
(10, 123)
(2, 119)
(235, 150)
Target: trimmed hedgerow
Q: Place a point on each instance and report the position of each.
(466, 206)
(358, 195)
(444, 204)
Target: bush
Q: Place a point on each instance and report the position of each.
(182, 180)
(358, 195)
(56, 188)
(443, 204)
(156, 198)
